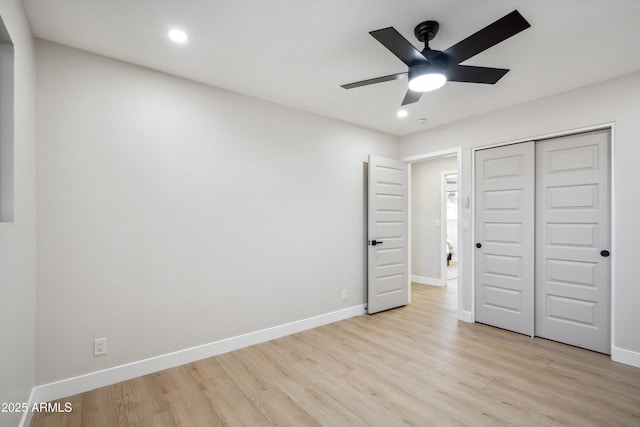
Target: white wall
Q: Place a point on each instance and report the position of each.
(613, 101)
(17, 238)
(172, 214)
(427, 259)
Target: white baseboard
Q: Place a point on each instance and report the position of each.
(465, 316)
(427, 281)
(27, 415)
(93, 380)
(627, 357)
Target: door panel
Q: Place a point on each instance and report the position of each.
(572, 285)
(504, 264)
(388, 282)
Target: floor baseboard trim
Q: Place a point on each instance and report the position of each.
(465, 316)
(627, 357)
(25, 421)
(93, 380)
(427, 281)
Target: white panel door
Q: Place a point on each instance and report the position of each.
(572, 219)
(504, 230)
(388, 281)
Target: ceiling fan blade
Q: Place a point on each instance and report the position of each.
(399, 46)
(411, 97)
(505, 27)
(471, 74)
(374, 81)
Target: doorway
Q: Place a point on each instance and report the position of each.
(434, 220)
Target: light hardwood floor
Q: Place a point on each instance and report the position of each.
(415, 365)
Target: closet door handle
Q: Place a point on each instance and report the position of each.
(605, 253)
(478, 245)
(375, 242)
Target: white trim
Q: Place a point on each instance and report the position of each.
(627, 357)
(460, 259)
(542, 137)
(409, 225)
(466, 316)
(420, 280)
(433, 155)
(93, 380)
(612, 239)
(27, 415)
(472, 222)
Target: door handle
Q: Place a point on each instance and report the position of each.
(605, 253)
(375, 242)
(478, 245)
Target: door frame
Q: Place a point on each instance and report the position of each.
(610, 126)
(457, 151)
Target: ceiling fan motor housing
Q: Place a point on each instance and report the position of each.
(436, 65)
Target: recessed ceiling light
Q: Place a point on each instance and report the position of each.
(178, 36)
(403, 113)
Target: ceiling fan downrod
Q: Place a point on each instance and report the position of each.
(426, 31)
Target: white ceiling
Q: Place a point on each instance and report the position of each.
(298, 52)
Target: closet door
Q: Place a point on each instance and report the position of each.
(504, 230)
(572, 242)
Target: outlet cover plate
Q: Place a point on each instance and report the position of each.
(100, 346)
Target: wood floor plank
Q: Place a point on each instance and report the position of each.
(162, 419)
(416, 365)
(188, 406)
(143, 398)
(104, 407)
(233, 407)
(206, 369)
(321, 406)
(72, 418)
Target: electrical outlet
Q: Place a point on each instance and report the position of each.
(344, 295)
(100, 346)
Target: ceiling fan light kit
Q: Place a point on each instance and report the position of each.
(427, 82)
(430, 69)
(425, 78)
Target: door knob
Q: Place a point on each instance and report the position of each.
(375, 242)
(605, 253)
(478, 245)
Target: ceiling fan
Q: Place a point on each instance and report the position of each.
(431, 69)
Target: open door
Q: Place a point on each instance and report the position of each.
(388, 282)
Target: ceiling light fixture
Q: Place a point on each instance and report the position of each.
(402, 113)
(425, 78)
(178, 36)
(427, 82)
